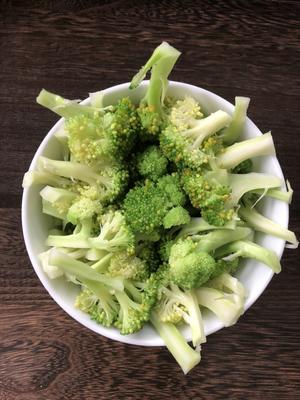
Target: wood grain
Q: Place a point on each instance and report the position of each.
(76, 47)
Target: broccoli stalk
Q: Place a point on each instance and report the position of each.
(64, 107)
(278, 194)
(265, 225)
(198, 224)
(247, 249)
(227, 306)
(79, 239)
(82, 271)
(233, 131)
(185, 356)
(57, 201)
(259, 146)
(186, 305)
(43, 178)
(161, 64)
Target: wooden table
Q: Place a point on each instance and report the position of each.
(75, 47)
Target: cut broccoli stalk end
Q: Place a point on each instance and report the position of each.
(186, 357)
(232, 133)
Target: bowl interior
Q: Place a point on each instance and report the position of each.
(254, 275)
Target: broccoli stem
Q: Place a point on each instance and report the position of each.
(259, 146)
(198, 224)
(278, 194)
(53, 194)
(77, 240)
(232, 133)
(81, 270)
(207, 126)
(227, 307)
(43, 178)
(185, 356)
(265, 225)
(213, 240)
(70, 170)
(247, 249)
(64, 107)
(241, 184)
(161, 64)
(102, 265)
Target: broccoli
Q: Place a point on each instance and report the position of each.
(151, 109)
(217, 193)
(248, 249)
(262, 224)
(99, 303)
(189, 268)
(128, 266)
(236, 153)
(146, 205)
(227, 306)
(57, 201)
(152, 163)
(81, 271)
(182, 141)
(235, 128)
(176, 216)
(185, 356)
(198, 224)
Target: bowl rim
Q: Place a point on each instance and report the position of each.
(129, 339)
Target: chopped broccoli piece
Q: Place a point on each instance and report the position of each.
(176, 216)
(152, 163)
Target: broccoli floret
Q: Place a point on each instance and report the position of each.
(115, 234)
(152, 163)
(209, 195)
(176, 216)
(128, 266)
(132, 315)
(147, 252)
(170, 184)
(104, 185)
(99, 303)
(144, 208)
(189, 268)
(182, 140)
(151, 107)
(82, 209)
(228, 266)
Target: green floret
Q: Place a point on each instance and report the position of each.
(175, 302)
(151, 110)
(152, 163)
(115, 234)
(99, 303)
(144, 208)
(244, 167)
(128, 266)
(185, 139)
(132, 315)
(176, 216)
(82, 209)
(228, 266)
(208, 195)
(170, 184)
(189, 268)
(104, 185)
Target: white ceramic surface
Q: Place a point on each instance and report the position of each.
(254, 275)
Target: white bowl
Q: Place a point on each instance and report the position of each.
(254, 275)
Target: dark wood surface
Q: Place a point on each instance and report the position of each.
(75, 47)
